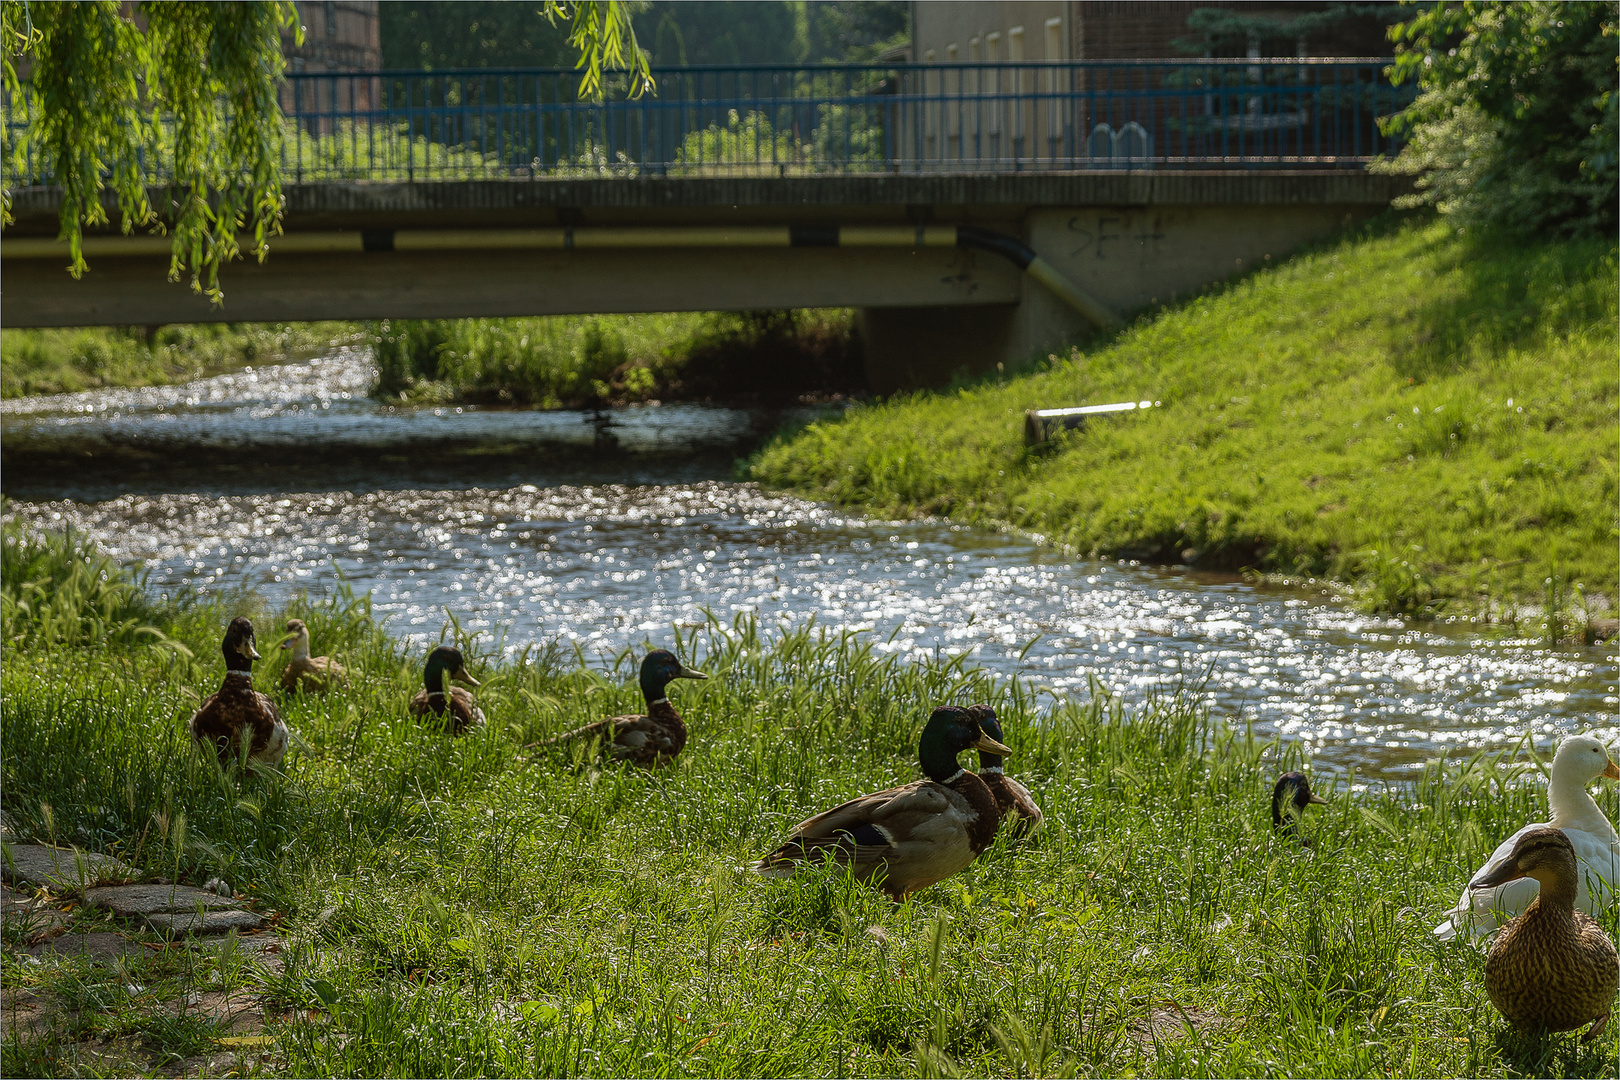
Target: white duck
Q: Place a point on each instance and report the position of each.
(1580, 760)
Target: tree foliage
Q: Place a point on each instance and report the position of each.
(1231, 31)
(1516, 122)
(185, 95)
(190, 84)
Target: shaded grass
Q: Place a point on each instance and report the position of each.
(1426, 416)
(84, 358)
(773, 357)
(472, 907)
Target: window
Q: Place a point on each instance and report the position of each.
(992, 47)
(1054, 39)
(1015, 44)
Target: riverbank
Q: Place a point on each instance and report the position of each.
(763, 357)
(1425, 418)
(85, 358)
(476, 907)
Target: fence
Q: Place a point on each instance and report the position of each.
(829, 119)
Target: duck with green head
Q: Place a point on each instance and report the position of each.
(907, 838)
(651, 739)
(238, 717)
(449, 704)
(1014, 799)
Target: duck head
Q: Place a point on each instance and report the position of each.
(661, 668)
(986, 716)
(1543, 853)
(1290, 798)
(238, 645)
(443, 664)
(297, 638)
(950, 731)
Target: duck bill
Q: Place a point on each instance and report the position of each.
(990, 746)
(287, 642)
(689, 673)
(1317, 799)
(1502, 874)
(1613, 771)
(247, 650)
(461, 676)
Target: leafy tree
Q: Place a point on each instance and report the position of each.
(1516, 122)
(114, 88)
(1230, 31)
(433, 35)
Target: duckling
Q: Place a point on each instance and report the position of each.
(1289, 798)
(653, 739)
(439, 699)
(237, 714)
(907, 838)
(1012, 798)
(317, 674)
(1551, 967)
(1580, 760)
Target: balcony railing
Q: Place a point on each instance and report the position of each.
(827, 119)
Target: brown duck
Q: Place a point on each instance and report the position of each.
(316, 674)
(1552, 967)
(1014, 800)
(654, 738)
(238, 716)
(450, 705)
(907, 838)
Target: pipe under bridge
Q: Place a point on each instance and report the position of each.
(955, 263)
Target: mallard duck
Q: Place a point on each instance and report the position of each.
(1289, 798)
(652, 739)
(314, 673)
(237, 714)
(907, 838)
(439, 699)
(1580, 760)
(1012, 798)
(1551, 967)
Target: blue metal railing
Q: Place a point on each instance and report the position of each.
(833, 119)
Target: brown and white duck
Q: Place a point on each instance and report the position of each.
(1551, 968)
(651, 739)
(450, 705)
(237, 719)
(906, 838)
(316, 674)
(1014, 800)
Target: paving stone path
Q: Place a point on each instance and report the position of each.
(64, 870)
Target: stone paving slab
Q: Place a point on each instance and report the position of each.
(62, 869)
(156, 899)
(100, 945)
(206, 922)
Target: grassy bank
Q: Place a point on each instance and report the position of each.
(84, 358)
(773, 357)
(469, 907)
(1428, 416)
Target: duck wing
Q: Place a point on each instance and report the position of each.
(1482, 911)
(914, 835)
(1020, 806)
(463, 713)
(1597, 858)
(641, 739)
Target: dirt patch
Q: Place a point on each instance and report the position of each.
(1167, 1021)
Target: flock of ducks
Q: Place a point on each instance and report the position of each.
(1551, 967)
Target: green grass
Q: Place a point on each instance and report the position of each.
(472, 907)
(1427, 416)
(63, 361)
(571, 360)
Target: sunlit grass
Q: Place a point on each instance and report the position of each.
(1426, 417)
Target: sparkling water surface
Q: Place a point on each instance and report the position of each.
(612, 551)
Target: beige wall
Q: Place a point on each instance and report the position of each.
(936, 26)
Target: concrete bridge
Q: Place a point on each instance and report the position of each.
(492, 248)
(973, 214)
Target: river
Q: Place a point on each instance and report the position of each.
(605, 529)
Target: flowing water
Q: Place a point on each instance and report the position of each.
(606, 529)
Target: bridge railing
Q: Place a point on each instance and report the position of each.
(761, 120)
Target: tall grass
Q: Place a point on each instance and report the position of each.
(771, 356)
(1423, 416)
(84, 358)
(477, 906)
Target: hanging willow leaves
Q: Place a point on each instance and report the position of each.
(173, 106)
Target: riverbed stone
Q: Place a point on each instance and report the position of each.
(205, 922)
(156, 899)
(62, 869)
(98, 946)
